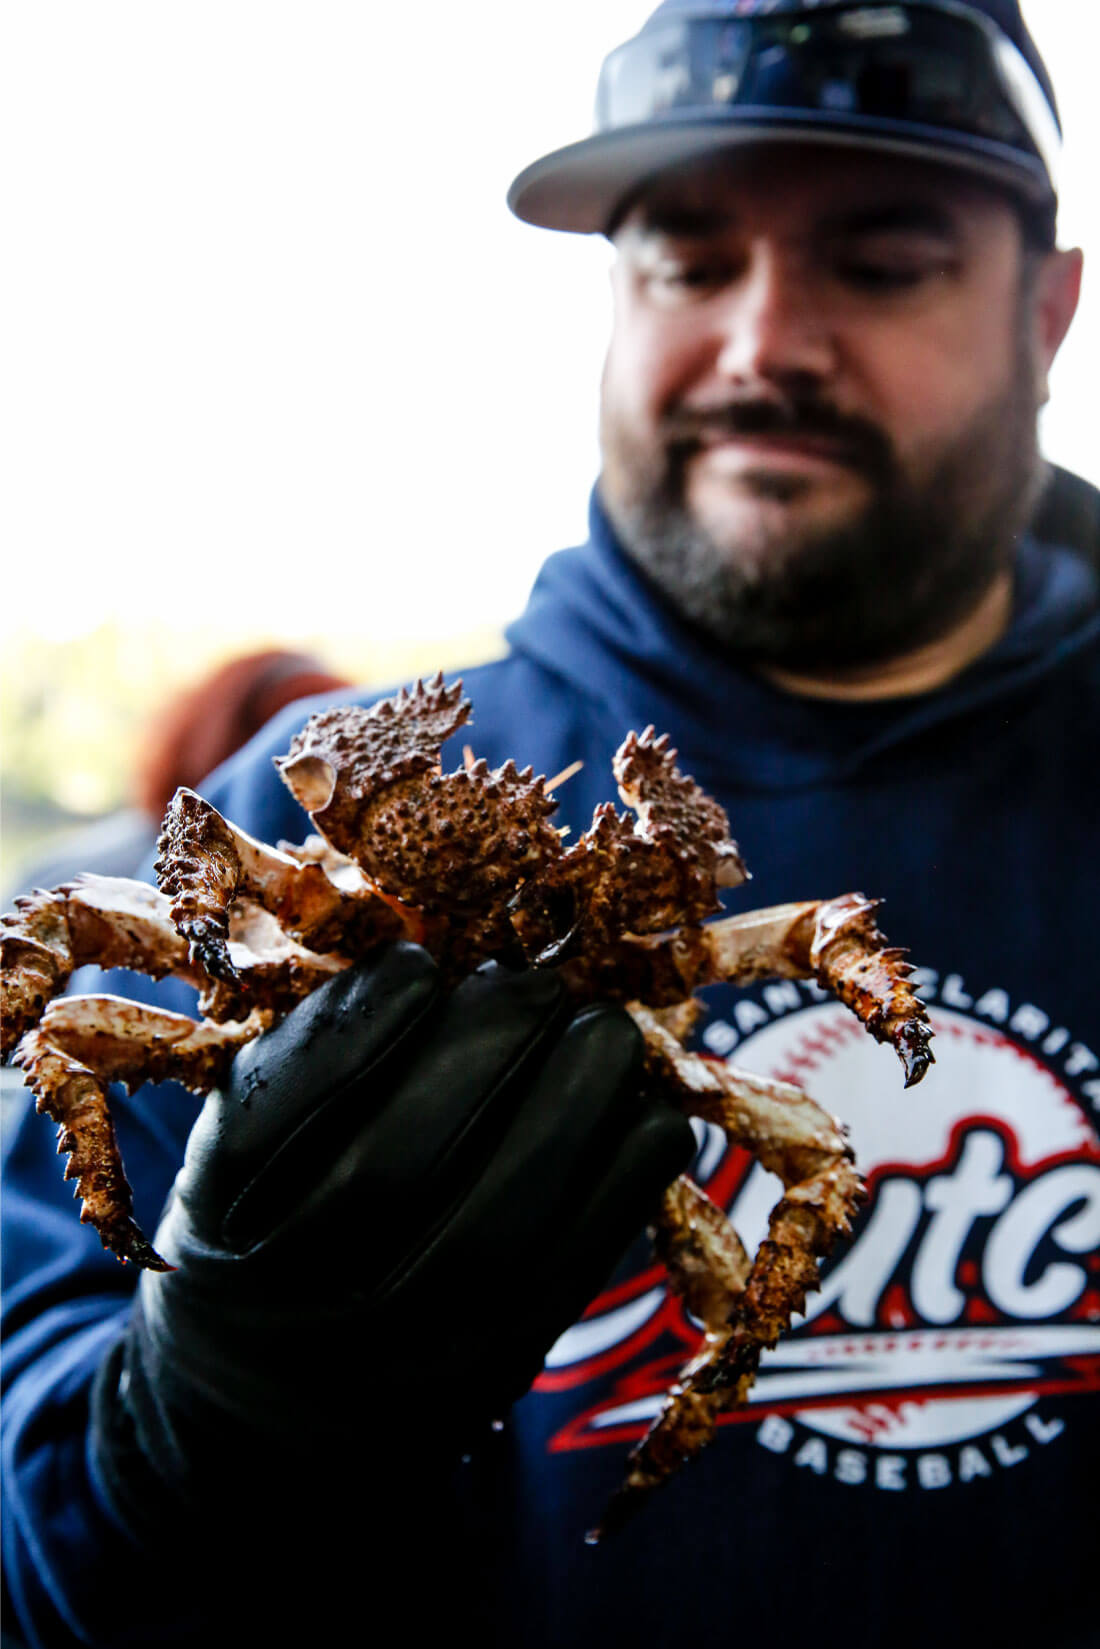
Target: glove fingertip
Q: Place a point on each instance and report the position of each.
(404, 961)
(664, 1138)
(610, 1033)
(537, 990)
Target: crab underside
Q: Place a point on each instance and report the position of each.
(468, 864)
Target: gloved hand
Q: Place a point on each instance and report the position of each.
(399, 1201)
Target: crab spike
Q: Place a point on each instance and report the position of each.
(560, 778)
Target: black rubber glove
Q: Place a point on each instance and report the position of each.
(398, 1203)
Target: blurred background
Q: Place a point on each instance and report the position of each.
(282, 371)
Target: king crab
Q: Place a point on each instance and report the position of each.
(467, 864)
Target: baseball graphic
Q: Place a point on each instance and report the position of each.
(970, 1288)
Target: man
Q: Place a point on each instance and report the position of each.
(837, 299)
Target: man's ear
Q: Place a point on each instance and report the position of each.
(1057, 290)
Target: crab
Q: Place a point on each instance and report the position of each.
(468, 864)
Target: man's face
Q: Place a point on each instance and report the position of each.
(819, 403)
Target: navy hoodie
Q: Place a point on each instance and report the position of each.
(919, 1457)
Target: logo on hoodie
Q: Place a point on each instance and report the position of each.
(954, 1328)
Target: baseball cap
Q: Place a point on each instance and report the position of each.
(959, 83)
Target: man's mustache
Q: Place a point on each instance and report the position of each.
(860, 442)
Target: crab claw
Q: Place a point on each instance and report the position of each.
(912, 1043)
(199, 869)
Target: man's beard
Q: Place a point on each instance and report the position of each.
(906, 570)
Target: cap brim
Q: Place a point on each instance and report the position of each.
(583, 187)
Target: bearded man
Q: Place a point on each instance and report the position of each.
(817, 560)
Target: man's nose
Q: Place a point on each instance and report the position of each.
(774, 327)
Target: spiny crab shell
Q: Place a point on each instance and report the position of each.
(455, 845)
(467, 864)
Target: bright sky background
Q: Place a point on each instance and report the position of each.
(275, 346)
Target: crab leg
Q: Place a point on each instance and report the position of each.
(706, 1260)
(108, 920)
(206, 863)
(833, 940)
(84, 1042)
(794, 1138)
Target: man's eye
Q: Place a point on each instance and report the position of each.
(880, 277)
(689, 275)
(893, 268)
